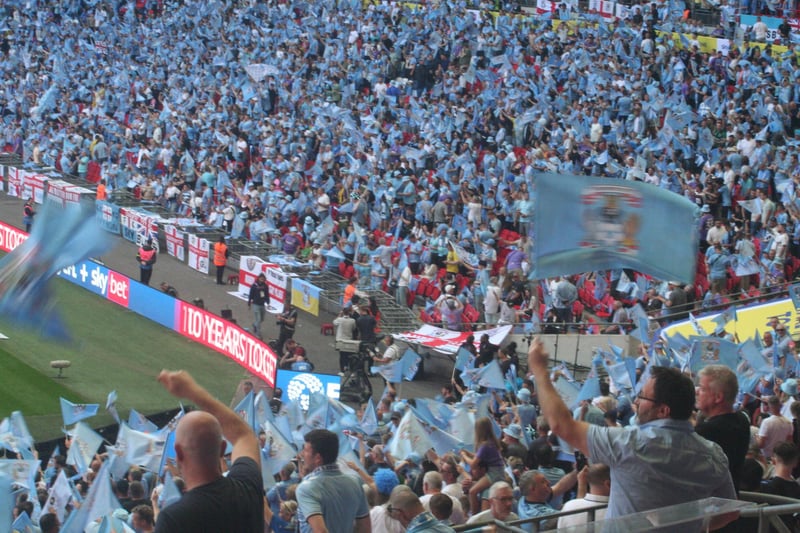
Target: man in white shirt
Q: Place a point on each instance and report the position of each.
(774, 429)
(598, 477)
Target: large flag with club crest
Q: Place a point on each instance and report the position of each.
(611, 224)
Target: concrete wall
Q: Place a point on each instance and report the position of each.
(571, 348)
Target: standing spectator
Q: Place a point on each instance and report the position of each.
(663, 448)
(598, 479)
(258, 300)
(716, 394)
(784, 458)
(102, 191)
(147, 258)
(345, 326)
(774, 429)
(221, 254)
(142, 519)
(213, 502)
(328, 500)
(28, 212)
(287, 322)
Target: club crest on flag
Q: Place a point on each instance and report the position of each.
(611, 218)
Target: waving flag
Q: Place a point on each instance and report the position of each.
(170, 493)
(22, 472)
(74, 412)
(489, 376)
(409, 437)
(463, 357)
(617, 224)
(142, 449)
(139, 422)
(58, 497)
(590, 389)
(247, 410)
(712, 351)
(462, 426)
(722, 319)
(278, 451)
(369, 420)
(98, 503)
(85, 443)
(404, 369)
(568, 391)
(23, 524)
(61, 237)
(111, 405)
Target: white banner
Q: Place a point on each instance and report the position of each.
(446, 341)
(250, 266)
(15, 182)
(277, 282)
(176, 246)
(63, 192)
(33, 186)
(198, 253)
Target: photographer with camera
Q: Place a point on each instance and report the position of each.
(346, 342)
(287, 321)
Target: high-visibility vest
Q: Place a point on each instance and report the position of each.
(220, 250)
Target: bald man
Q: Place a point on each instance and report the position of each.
(212, 502)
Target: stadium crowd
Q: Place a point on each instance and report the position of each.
(419, 131)
(370, 138)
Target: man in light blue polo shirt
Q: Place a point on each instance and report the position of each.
(329, 500)
(658, 463)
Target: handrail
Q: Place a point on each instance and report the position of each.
(768, 512)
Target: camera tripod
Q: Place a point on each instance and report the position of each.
(355, 386)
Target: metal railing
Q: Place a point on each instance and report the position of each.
(768, 511)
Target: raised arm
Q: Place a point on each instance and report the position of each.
(182, 385)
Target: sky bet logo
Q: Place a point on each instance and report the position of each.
(100, 280)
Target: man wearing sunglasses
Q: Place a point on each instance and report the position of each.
(662, 451)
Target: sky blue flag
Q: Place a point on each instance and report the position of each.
(600, 286)
(6, 501)
(278, 450)
(139, 422)
(169, 452)
(620, 375)
(410, 437)
(111, 405)
(404, 369)
(696, 325)
(247, 410)
(75, 412)
(170, 493)
(712, 351)
(23, 524)
(462, 359)
(613, 224)
(443, 442)
(751, 354)
(142, 449)
(794, 293)
(616, 350)
(99, 502)
(61, 237)
(722, 319)
(369, 420)
(590, 389)
(568, 390)
(489, 376)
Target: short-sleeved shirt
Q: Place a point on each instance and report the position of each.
(338, 497)
(232, 503)
(660, 463)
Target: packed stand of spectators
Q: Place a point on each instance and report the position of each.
(401, 146)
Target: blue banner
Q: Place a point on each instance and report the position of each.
(108, 216)
(152, 303)
(586, 223)
(89, 275)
